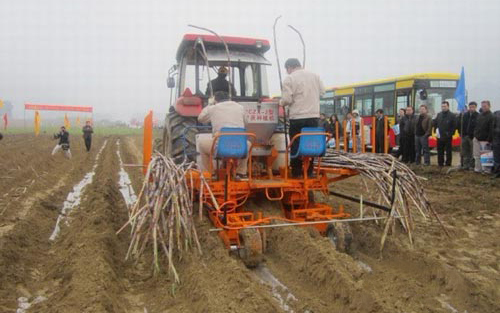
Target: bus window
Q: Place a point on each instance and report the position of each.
(385, 101)
(326, 106)
(434, 98)
(403, 100)
(358, 105)
(342, 106)
(364, 104)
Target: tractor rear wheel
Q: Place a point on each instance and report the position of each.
(251, 251)
(179, 137)
(340, 235)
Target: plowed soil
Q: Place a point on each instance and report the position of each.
(84, 269)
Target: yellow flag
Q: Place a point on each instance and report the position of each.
(67, 124)
(1, 103)
(78, 121)
(37, 123)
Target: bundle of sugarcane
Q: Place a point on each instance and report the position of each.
(396, 185)
(162, 217)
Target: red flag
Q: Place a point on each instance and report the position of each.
(5, 121)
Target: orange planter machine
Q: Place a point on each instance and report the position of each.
(200, 56)
(226, 197)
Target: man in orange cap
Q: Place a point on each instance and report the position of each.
(220, 83)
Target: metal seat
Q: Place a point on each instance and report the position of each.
(312, 143)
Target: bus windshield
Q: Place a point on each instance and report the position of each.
(435, 96)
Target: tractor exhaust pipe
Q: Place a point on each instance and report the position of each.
(285, 115)
(303, 45)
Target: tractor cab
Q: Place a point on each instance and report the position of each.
(199, 59)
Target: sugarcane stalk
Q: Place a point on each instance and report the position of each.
(162, 217)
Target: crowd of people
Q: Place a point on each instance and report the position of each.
(479, 132)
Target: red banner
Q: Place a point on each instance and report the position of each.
(56, 107)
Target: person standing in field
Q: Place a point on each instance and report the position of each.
(496, 144)
(483, 133)
(334, 126)
(357, 130)
(399, 118)
(445, 124)
(379, 131)
(63, 143)
(466, 130)
(323, 122)
(301, 93)
(348, 128)
(423, 129)
(407, 135)
(87, 135)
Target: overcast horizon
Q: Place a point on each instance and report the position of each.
(115, 55)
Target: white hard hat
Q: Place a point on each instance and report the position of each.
(355, 112)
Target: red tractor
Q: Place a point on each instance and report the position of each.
(198, 59)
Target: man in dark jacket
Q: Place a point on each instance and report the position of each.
(399, 118)
(407, 132)
(445, 124)
(483, 133)
(87, 135)
(63, 144)
(220, 83)
(323, 122)
(496, 144)
(467, 122)
(423, 128)
(379, 131)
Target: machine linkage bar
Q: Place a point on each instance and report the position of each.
(308, 223)
(357, 200)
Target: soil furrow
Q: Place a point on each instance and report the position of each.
(24, 244)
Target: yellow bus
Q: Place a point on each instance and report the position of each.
(392, 94)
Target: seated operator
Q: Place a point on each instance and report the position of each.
(224, 113)
(220, 83)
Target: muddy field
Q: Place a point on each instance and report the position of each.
(81, 266)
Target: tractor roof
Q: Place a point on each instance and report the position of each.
(240, 43)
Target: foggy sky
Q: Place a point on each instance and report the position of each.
(114, 54)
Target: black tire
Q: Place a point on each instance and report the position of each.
(340, 235)
(173, 143)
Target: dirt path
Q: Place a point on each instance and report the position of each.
(83, 269)
(29, 220)
(29, 173)
(437, 274)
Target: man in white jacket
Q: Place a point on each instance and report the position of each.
(301, 93)
(224, 113)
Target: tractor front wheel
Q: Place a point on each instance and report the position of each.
(179, 137)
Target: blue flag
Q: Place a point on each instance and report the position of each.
(460, 92)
